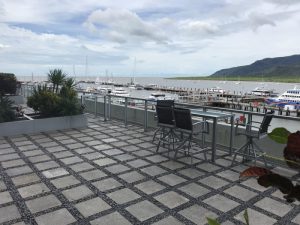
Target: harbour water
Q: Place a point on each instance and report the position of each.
(242, 87)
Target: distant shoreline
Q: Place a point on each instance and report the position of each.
(258, 79)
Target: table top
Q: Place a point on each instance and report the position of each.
(208, 114)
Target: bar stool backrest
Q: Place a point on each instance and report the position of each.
(165, 115)
(167, 103)
(183, 119)
(266, 122)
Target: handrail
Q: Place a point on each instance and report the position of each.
(207, 107)
(249, 113)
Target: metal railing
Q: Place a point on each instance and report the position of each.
(122, 108)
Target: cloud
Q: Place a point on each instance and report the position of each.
(170, 35)
(122, 25)
(284, 2)
(2, 46)
(259, 20)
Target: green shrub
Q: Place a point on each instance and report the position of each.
(44, 101)
(6, 110)
(49, 103)
(56, 102)
(8, 83)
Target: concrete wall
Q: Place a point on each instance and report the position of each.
(42, 125)
(134, 114)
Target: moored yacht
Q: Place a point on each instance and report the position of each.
(263, 92)
(120, 92)
(217, 90)
(104, 90)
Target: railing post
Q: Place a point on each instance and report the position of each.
(109, 107)
(249, 117)
(95, 110)
(125, 111)
(104, 107)
(146, 116)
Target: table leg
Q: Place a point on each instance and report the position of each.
(213, 141)
(231, 134)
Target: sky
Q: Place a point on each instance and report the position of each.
(144, 37)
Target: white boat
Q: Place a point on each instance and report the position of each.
(136, 86)
(289, 99)
(157, 96)
(104, 90)
(120, 92)
(217, 90)
(97, 81)
(161, 96)
(263, 92)
(89, 89)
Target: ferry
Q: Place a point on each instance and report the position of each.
(290, 99)
(263, 92)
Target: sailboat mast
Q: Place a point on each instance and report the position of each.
(133, 72)
(74, 73)
(86, 65)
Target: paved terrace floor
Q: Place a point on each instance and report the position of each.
(108, 174)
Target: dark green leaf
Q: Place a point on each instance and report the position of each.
(212, 221)
(279, 135)
(246, 216)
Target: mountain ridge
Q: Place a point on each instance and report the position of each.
(268, 67)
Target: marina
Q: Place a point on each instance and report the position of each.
(248, 96)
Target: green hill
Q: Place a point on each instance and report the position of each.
(280, 67)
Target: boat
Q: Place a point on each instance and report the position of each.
(264, 92)
(89, 89)
(150, 87)
(161, 96)
(104, 90)
(120, 92)
(136, 86)
(217, 90)
(290, 99)
(97, 81)
(157, 96)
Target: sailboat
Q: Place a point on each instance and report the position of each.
(262, 80)
(133, 84)
(239, 81)
(97, 81)
(224, 80)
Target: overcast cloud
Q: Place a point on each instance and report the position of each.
(167, 38)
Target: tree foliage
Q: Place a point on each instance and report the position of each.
(7, 113)
(57, 78)
(8, 83)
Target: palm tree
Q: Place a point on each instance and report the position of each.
(57, 78)
(70, 82)
(67, 88)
